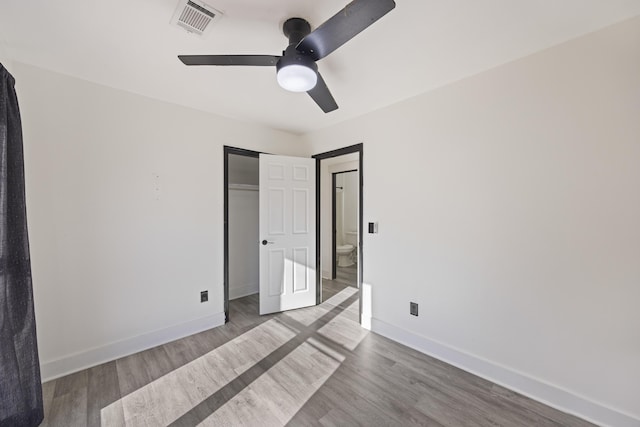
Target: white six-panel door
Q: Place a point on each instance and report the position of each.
(287, 233)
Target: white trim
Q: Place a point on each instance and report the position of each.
(536, 389)
(236, 291)
(82, 360)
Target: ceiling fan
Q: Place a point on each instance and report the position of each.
(296, 68)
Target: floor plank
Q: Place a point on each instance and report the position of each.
(103, 388)
(313, 366)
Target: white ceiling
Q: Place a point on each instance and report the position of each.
(419, 46)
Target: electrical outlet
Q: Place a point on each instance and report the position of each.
(204, 296)
(413, 308)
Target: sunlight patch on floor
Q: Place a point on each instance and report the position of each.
(274, 397)
(343, 330)
(176, 393)
(341, 296)
(277, 395)
(309, 315)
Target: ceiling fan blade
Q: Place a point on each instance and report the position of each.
(257, 60)
(322, 96)
(343, 26)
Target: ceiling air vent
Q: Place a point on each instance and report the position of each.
(195, 16)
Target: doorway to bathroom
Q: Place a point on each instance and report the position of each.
(344, 219)
(332, 168)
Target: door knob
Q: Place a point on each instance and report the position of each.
(265, 242)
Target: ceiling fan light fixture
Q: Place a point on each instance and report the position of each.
(297, 78)
(297, 73)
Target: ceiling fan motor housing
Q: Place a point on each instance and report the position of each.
(295, 29)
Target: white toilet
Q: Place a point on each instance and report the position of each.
(346, 253)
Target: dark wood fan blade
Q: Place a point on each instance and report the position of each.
(256, 60)
(343, 26)
(322, 96)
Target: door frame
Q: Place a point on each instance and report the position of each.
(241, 152)
(356, 148)
(334, 262)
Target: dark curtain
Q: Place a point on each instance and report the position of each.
(20, 385)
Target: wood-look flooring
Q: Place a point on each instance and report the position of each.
(313, 366)
(347, 275)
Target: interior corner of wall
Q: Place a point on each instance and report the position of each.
(5, 60)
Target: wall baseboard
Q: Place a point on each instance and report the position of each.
(95, 356)
(237, 291)
(548, 394)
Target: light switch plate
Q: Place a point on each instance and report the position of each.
(413, 308)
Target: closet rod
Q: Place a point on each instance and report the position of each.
(244, 187)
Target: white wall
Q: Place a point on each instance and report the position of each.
(117, 264)
(521, 241)
(5, 60)
(339, 208)
(350, 184)
(244, 252)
